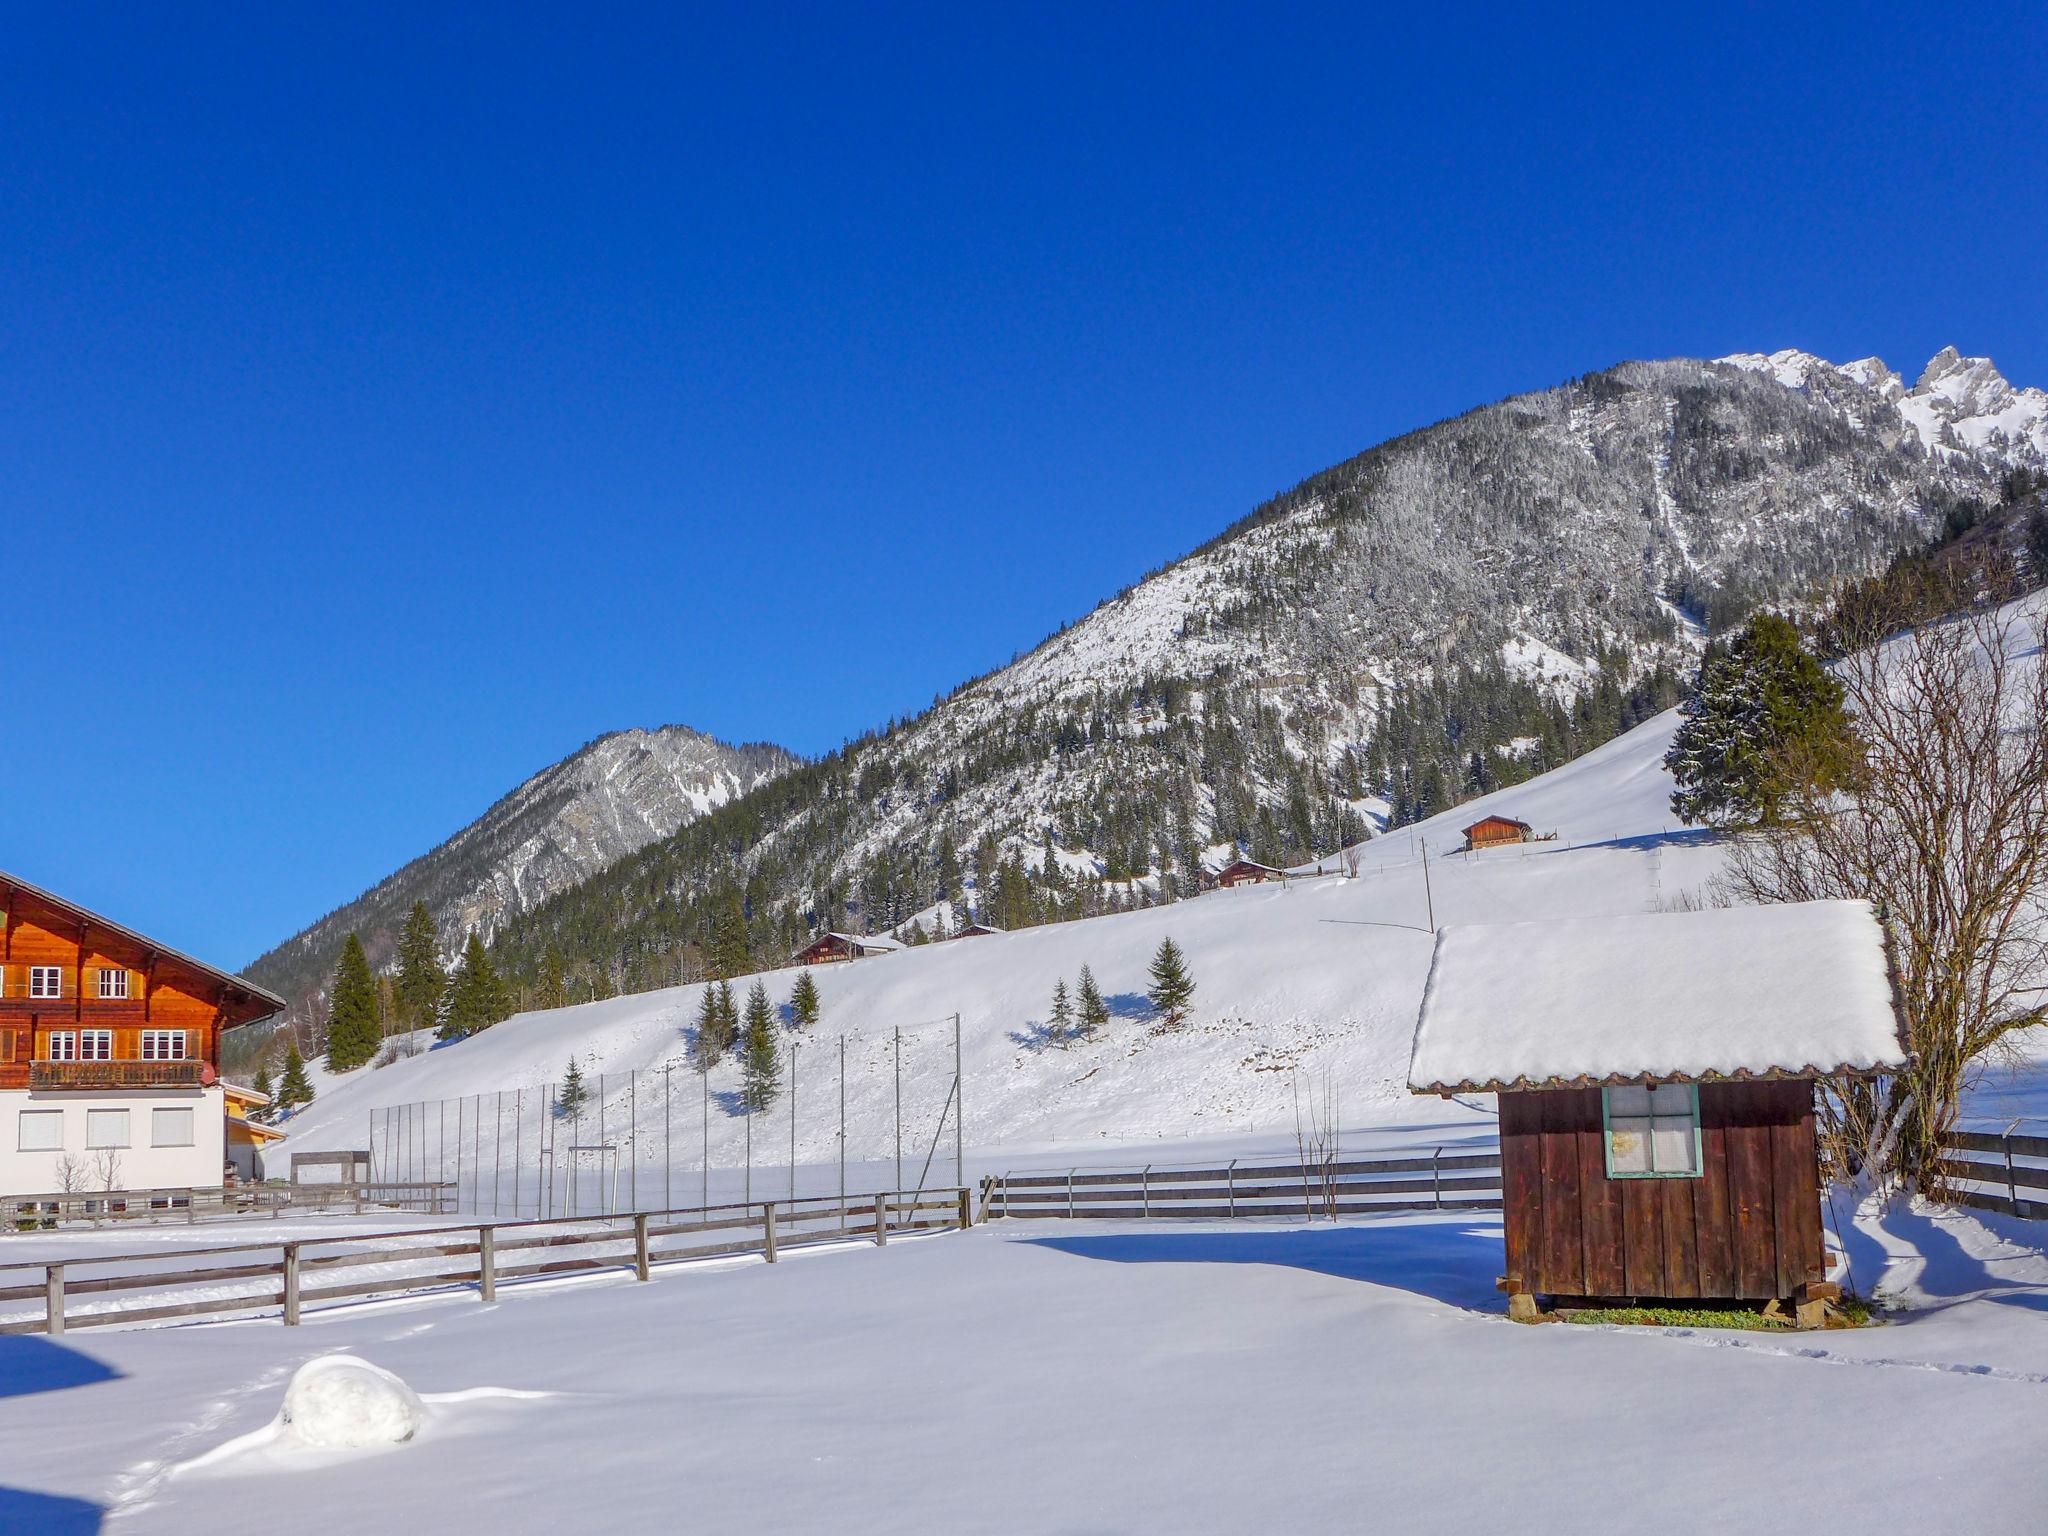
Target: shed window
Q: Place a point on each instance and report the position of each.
(1652, 1133)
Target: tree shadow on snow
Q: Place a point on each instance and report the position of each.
(1452, 1258)
(1038, 1036)
(31, 1364)
(1129, 1005)
(1950, 1273)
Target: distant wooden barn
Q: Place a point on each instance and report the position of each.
(1656, 1082)
(829, 947)
(1493, 831)
(975, 931)
(1247, 872)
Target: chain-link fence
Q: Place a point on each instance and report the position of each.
(855, 1113)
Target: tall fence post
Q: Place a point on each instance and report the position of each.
(1145, 1191)
(959, 1110)
(881, 1219)
(642, 1269)
(53, 1299)
(1230, 1185)
(1070, 1195)
(768, 1231)
(291, 1285)
(966, 1208)
(487, 1263)
(2012, 1186)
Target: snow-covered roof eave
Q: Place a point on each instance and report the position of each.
(1617, 1079)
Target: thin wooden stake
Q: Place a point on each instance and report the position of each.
(53, 1299)
(641, 1267)
(487, 1263)
(291, 1285)
(768, 1231)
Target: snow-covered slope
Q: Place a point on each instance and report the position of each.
(1961, 405)
(1324, 972)
(609, 799)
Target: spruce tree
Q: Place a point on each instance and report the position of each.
(551, 988)
(1061, 1023)
(1172, 989)
(1093, 1013)
(803, 1001)
(421, 982)
(261, 1084)
(476, 998)
(294, 1090)
(760, 1055)
(352, 1031)
(574, 1094)
(1759, 697)
(709, 1047)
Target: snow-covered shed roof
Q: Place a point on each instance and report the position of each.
(1797, 990)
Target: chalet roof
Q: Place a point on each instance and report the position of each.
(1798, 990)
(863, 940)
(1270, 869)
(227, 979)
(1506, 821)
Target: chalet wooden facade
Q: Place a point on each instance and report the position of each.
(1247, 872)
(828, 948)
(1496, 831)
(1656, 1078)
(105, 1037)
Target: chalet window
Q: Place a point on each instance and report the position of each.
(113, 983)
(163, 1045)
(1652, 1133)
(63, 1045)
(106, 1128)
(170, 1127)
(42, 1130)
(95, 1045)
(46, 981)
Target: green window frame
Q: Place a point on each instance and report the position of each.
(1646, 1126)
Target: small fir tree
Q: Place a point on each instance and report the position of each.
(1061, 1024)
(551, 986)
(1760, 697)
(261, 1084)
(760, 1055)
(353, 1034)
(477, 998)
(294, 1090)
(574, 1093)
(803, 1001)
(1172, 989)
(421, 982)
(709, 1047)
(1093, 1012)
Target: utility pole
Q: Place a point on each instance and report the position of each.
(792, 1120)
(1427, 895)
(959, 1112)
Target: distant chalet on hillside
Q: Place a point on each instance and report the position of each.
(1247, 872)
(974, 931)
(1655, 1074)
(828, 947)
(1493, 831)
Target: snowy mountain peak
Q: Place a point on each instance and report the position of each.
(1961, 405)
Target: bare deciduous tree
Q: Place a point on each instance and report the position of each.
(1945, 828)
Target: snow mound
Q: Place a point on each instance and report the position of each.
(342, 1403)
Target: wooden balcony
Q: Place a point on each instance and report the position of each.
(104, 1075)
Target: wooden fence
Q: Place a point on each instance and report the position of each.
(101, 1207)
(1350, 1186)
(1998, 1172)
(287, 1277)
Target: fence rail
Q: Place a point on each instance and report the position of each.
(1349, 1186)
(2001, 1171)
(286, 1277)
(60, 1208)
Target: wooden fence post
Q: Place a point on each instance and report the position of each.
(1230, 1185)
(966, 1209)
(881, 1220)
(642, 1269)
(768, 1231)
(1144, 1191)
(2012, 1188)
(53, 1300)
(487, 1262)
(291, 1285)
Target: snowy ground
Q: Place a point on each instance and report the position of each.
(1054, 1376)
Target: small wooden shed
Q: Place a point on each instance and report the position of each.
(1247, 872)
(1493, 831)
(1656, 1082)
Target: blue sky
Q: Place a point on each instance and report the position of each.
(394, 402)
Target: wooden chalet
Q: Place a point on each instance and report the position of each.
(1656, 1075)
(1247, 872)
(974, 931)
(827, 948)
(1494, 831)
(109, 1049)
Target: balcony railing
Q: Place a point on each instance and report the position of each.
(114, 1074)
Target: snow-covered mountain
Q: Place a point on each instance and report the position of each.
(1458, 608)
(609, 799)
(1961, 405)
